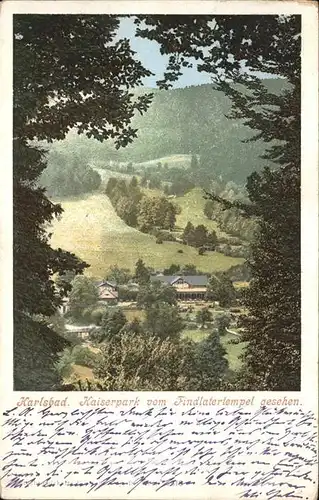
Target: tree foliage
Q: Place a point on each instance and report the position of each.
(77, 355)
(142, 274)
(222, 321)
(141, 362)
(163, 320)
(68, 71)
(221, 289)
(212, 364)
(199, 237)
(128, 364)
(68, 175)
(138, 210)
(112, 324)
(84, 294)
(154, 292)
(120, 275)
(203, 316)
(80, 74)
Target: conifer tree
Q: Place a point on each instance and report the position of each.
(212, 363)
(142, 274)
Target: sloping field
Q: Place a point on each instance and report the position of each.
(90, 228)
(180, 161)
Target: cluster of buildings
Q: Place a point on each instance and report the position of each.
(186, 287)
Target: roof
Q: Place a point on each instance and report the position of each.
(194, 280)
(107, 283)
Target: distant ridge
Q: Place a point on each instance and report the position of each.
(180, 123)
(192, 120)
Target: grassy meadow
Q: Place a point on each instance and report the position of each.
(91, 229)
(192, 210)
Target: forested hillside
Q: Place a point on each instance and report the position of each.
(187, 121)
(192, 121)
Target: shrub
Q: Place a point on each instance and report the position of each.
(167, 236)
(96, 315)
(86, 315)
(164, 235)
(127, 363)
(159, 240)
(222, 322)
(201, 251)
(230, 240)
(64, 364)
(190, 326)
(83, 356)
(180, 251)
(127, 295)
(72, 337)
(77, 355)
(235, 341)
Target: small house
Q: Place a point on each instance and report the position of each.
(107, 292)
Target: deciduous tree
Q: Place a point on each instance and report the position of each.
(84, 294)
(163, 320)
(203, 316)
(155, 292)
(120, 275)
(68, 71)
(144, 362)
(142, 274)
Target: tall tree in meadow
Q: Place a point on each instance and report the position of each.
(142, 274)
(188, 232)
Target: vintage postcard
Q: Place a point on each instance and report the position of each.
(159, 243)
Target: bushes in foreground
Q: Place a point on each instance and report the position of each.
(76, 355)
(143, 362)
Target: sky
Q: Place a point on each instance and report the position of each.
(151, 58)
(149, 55)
